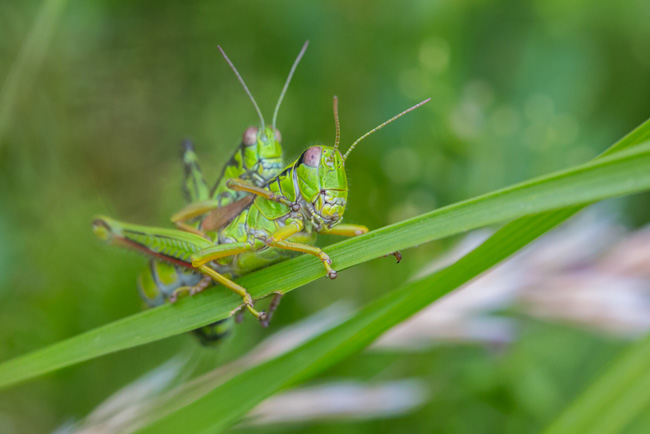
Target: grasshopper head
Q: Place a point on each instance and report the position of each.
(322, 182)
(262, 150)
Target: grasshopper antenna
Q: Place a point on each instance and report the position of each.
(383, 125)
(286, 84)
(241, 80)
(336, 122)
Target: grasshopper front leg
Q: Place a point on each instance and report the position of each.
(345, 230)
(278, 239)
(351, 230)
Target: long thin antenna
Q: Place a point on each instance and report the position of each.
(383, 125)
(241, 80)
(286, 83)
(336, 122)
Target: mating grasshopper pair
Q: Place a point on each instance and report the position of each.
(231, 234)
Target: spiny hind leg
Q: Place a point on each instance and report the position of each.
(194, 185)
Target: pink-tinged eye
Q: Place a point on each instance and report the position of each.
(311, 157)
(250, 136)
(278, 136)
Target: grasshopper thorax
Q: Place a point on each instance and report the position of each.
(323, 184)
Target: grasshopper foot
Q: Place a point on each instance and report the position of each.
(327, 262)
(275, 302)
(397, 254)
(264, 319)
(259, 315)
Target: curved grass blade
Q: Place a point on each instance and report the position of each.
(622, 173)
(614, 399)
(354, 335)
(226, 404)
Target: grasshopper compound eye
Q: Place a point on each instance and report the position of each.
(278, 136)
(250, 136)
(311, 157)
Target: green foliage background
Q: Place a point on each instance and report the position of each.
(93, 126)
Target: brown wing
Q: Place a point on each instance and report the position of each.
(220, 217)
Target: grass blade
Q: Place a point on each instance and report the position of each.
(209, 414)
(227, 403)
(614, 399)
(622, 173)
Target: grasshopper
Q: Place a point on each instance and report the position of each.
(281, 218)
(257, 159)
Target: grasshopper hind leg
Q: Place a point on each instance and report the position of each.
(194, 186)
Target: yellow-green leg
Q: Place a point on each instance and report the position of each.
(204, 256)
(187, 228)
(352, 231)
(195, 209)
(218, 251)
(240, 290)
(325, 259)
(345, 230)
(278, 240)
(241, 185)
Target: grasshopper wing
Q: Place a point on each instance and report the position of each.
(220, 217)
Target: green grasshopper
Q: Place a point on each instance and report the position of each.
(257, 159)
(282, 217)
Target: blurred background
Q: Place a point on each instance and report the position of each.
(95, 98)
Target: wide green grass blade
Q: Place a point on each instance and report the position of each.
(612, 402)
(621, 173)
(229, 402)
